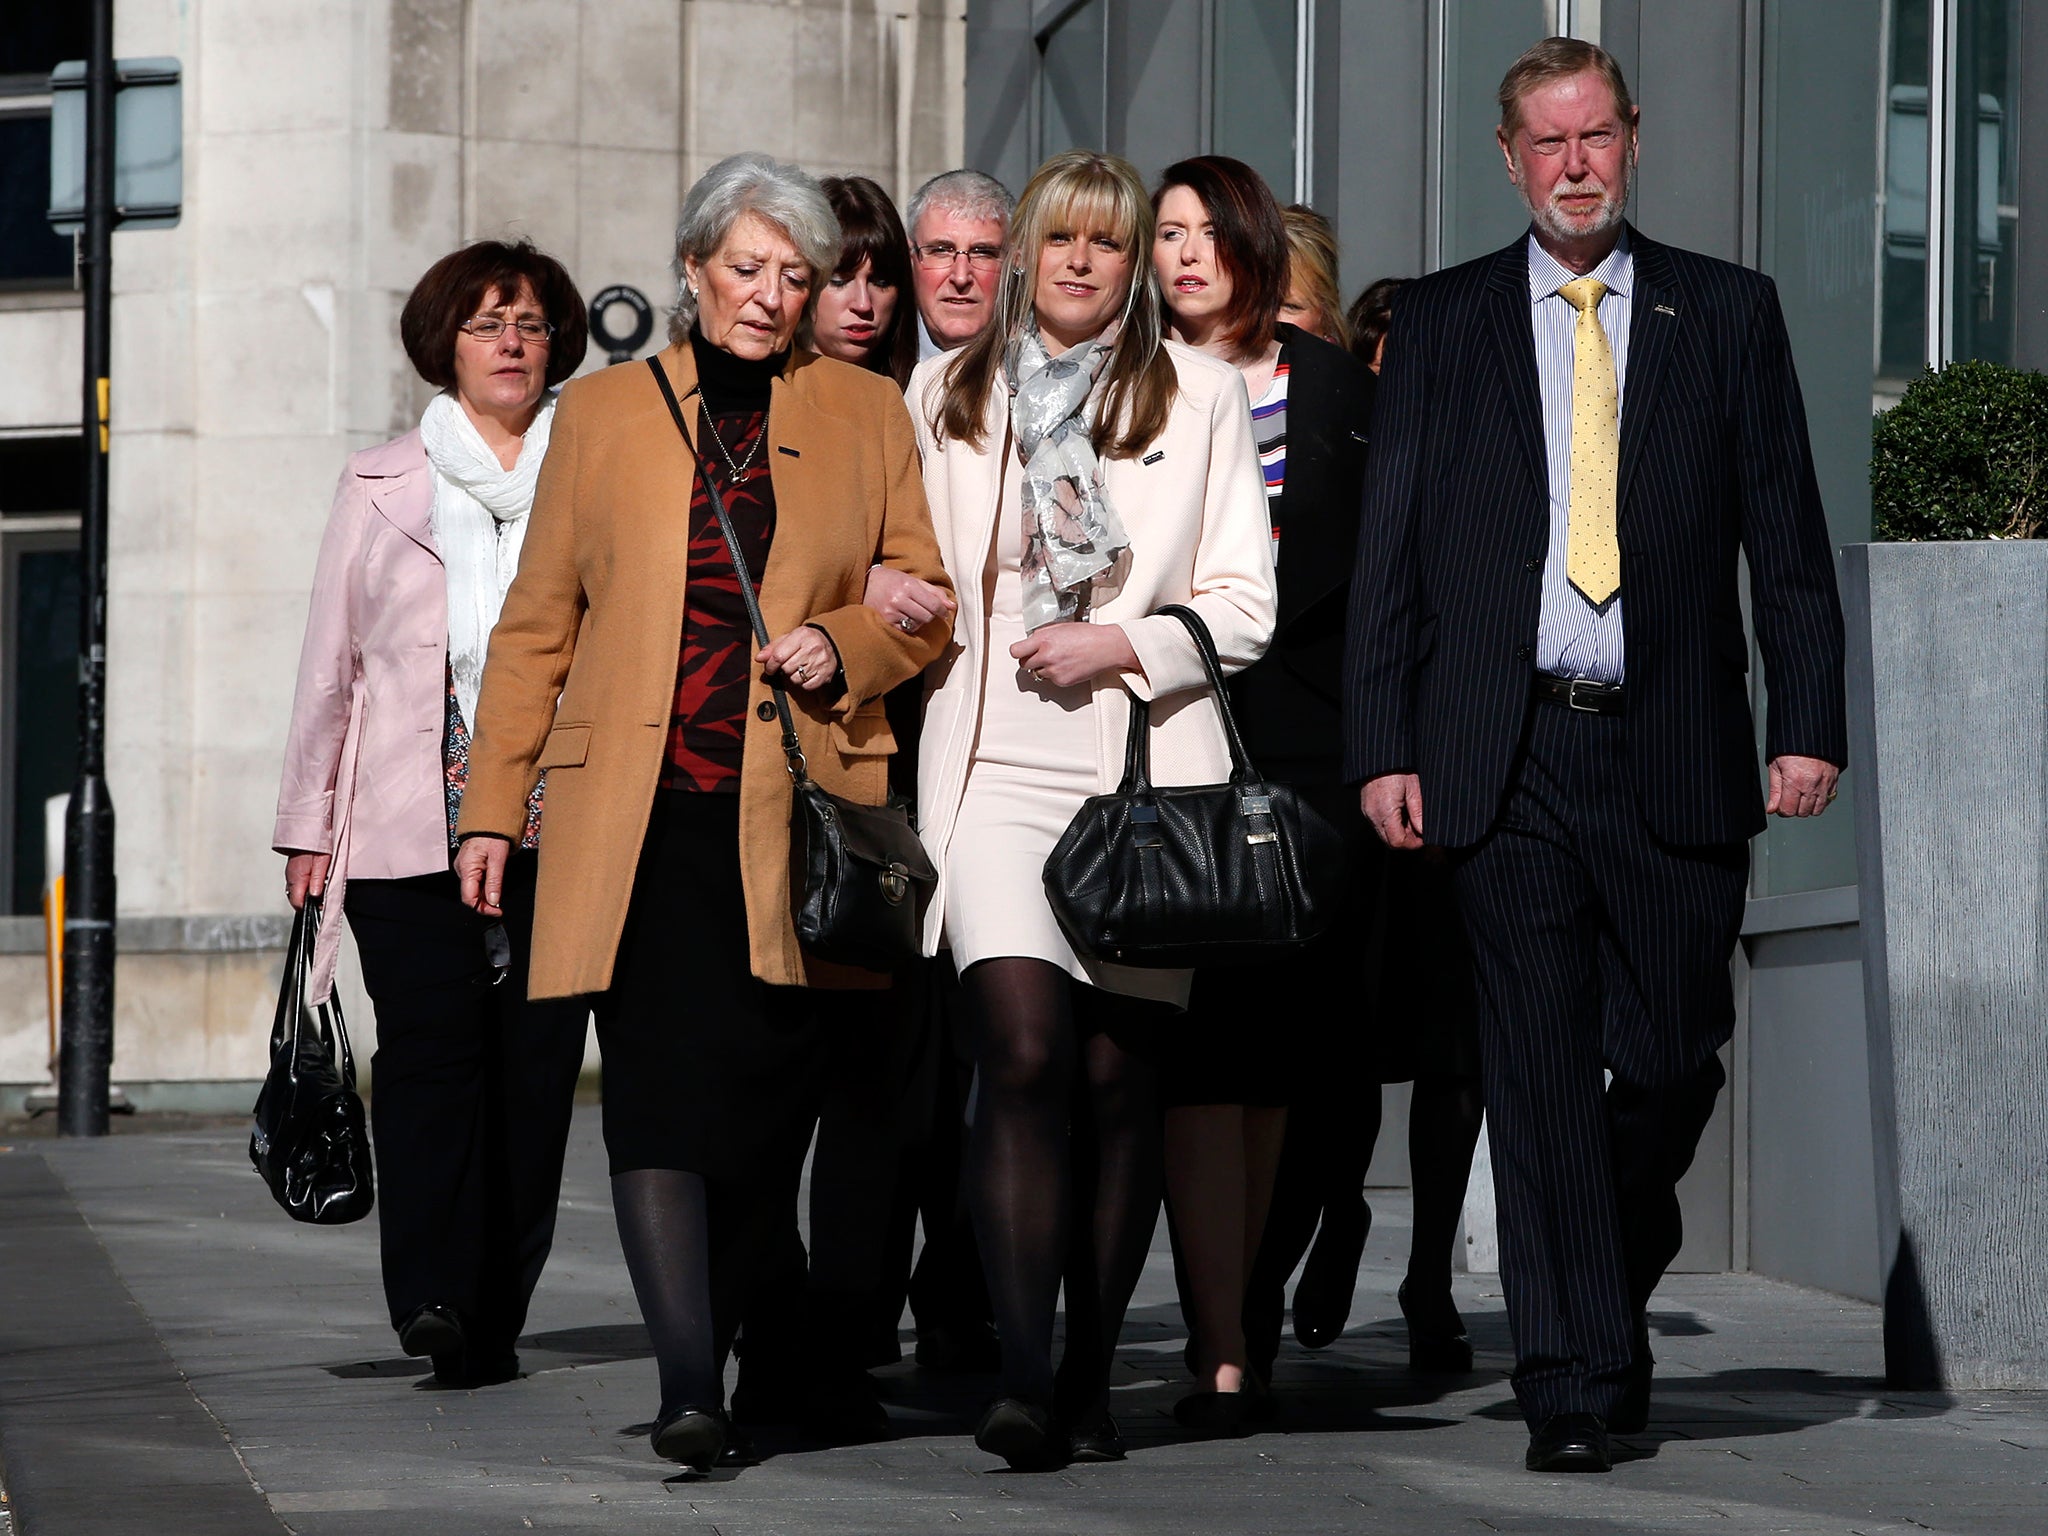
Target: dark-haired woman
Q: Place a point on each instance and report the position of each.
(1368, 317)
(1082, 472)
(473, 1084)
(1221, 255)
(862, 315)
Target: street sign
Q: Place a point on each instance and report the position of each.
(149, 145)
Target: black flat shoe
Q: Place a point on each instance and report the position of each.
(691, 1435)
(738, 1450)
(1570, 1442)
(1322, 1297)
(1214, 1415)
(468, 1369)
(1437, 1342)
(431, 1330)
(1023, 1434)
(1097, 1439)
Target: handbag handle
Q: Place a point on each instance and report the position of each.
(792, 752)
(333, 1033)
(1137, 746)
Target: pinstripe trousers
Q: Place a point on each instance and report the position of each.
(1596, 947)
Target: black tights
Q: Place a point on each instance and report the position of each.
(692, 1247)
(1063, 1170)
(1443, 1128)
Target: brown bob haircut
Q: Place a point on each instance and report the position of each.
(871, 230)
(456, 286)
(1251, 242)
(1554, 59)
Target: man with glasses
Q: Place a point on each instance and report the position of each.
(958, 223)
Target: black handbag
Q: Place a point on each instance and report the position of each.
(1207, 874)
(860, 877)
(309, 1140)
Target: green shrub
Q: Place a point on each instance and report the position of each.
(1963, 456)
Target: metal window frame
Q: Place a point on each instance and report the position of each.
(19, 535)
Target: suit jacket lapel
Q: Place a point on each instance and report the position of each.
(1654, 314)
(1514, 337)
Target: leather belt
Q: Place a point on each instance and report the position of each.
(1581, 693)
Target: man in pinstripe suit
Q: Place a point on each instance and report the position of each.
(1585, 425)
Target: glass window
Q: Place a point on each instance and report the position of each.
(1986, 96)
(1824, 75)
(1480, 212)
(1072, 80)
(34, 41)
(1253, 88)
(1902, 263)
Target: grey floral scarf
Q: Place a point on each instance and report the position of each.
(1071, 533)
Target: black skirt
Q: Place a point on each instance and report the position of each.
(707, 1069)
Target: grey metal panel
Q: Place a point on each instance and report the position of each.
(1813, 1182)
(1002, 61)
(1369, 176)
(1155, 80)
(2032, 268)
(1688, 82)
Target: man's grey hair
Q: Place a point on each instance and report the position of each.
(968, 193)
(787, 196)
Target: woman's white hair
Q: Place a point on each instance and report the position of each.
(785, 195)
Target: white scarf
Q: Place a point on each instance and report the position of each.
(480, 510)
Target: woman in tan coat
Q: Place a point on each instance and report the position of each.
(1082, 472)
(624, 667)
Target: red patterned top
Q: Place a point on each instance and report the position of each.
(716, 664)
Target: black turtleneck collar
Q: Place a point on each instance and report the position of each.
(734, 383)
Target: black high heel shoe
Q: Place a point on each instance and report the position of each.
(1322, 1297)
(1437, 1342)
(692, 1435)
(1214, 1415)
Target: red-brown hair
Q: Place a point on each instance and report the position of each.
(456, 286)
(872, 231)
(1251, 241)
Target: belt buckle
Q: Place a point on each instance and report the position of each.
(1571, 695)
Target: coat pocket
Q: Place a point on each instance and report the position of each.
(867, 734)
(566, 747)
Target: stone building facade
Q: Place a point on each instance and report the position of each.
(333, 149)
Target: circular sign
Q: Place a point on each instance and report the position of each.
(639, 322)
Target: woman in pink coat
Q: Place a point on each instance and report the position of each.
(472, 1085)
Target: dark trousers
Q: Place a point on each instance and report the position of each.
(471, 1090)
(1596, 947)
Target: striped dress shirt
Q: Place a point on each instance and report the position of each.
(1571, 639)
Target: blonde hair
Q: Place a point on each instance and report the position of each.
(1554, 59)
(1312, 267)
(1079, 192)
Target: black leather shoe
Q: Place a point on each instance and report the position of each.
(431, 1330)
(844, 1410)
(1214, 1415)
(959, 1349)
(1023, 1434)
(1097, 1439)
(1322, 1297)
(738, 1450)
(468, 1368)
(1437, 1341)
(1570, 1442)
(692, 1435)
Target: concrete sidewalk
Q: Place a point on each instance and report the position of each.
(177, 1358)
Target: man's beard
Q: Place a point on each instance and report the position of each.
(1559, 225)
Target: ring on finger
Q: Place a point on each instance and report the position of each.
(905, 625)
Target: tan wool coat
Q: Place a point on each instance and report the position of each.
(580, 679)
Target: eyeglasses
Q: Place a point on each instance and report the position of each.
(490, 328)
(938, 255)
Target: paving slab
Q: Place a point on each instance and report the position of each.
(1769, 1414)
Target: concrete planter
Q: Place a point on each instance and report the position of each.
(1948, 723)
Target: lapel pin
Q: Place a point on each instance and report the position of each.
(781, 448)
(1666, 309)
(1153, 458)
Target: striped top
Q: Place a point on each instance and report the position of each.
(1269, 431)
(1571, 639)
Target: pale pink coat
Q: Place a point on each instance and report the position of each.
(363, 775)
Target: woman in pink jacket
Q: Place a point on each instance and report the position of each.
(472, 1085)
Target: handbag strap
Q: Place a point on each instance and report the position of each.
(1241, 769)
(792, 752)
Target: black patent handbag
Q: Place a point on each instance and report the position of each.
(1205, 874)
(309, 1141)
(861, 877)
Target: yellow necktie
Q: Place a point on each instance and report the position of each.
(1592, 552)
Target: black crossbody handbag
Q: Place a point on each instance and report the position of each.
(861, 878)
(1207, 874)
(308, 1139)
